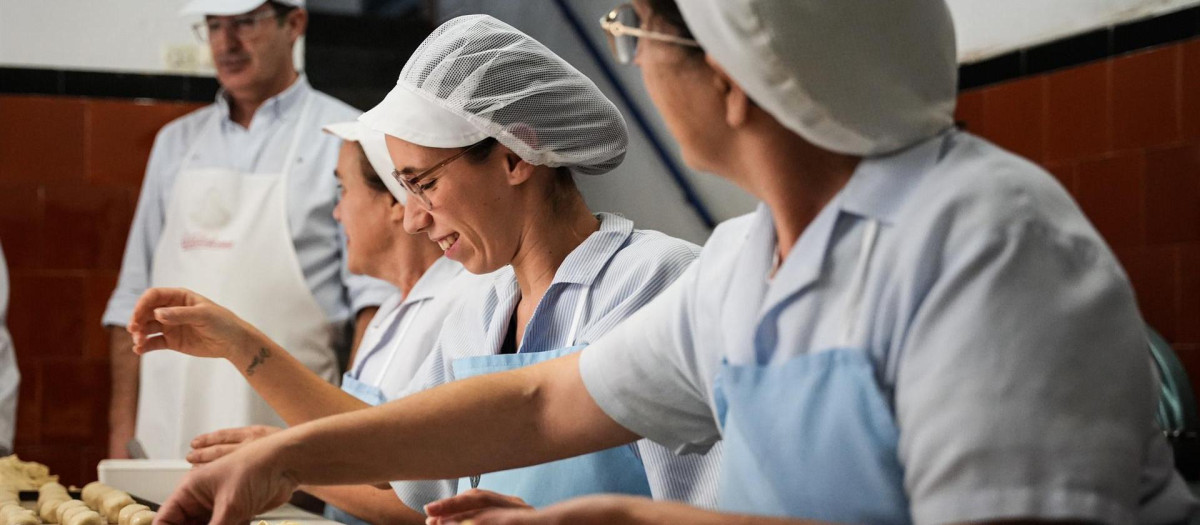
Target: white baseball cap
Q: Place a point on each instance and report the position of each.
(229, 7)
(374, 145)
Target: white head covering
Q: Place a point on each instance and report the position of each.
(229, 7)
(859, 77)
(373, 145)
(477, 77)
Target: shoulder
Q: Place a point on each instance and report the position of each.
(654, 249)
(979, 196)
(727, 240)
(183, 130)
(329, 110)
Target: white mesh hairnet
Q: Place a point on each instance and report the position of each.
(859, 77)
(375, 148)
(477, 77)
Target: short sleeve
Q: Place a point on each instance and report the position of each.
(1024, 387)
(147, 227)
(645, 375)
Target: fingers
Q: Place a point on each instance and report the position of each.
(222, 437)
(472, 500)
(182, 315)
(228, 436)
(211, 453)
(151, 344)
(183, 507)
(504, 517)
(153, 299)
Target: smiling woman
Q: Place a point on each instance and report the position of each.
(488, 129)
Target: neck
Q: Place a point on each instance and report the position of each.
(243, 104)
(794, 178)
(409, 262)
(546, 240)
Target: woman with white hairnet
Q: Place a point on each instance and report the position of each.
(488, 128)
(915, 327)
(396, 342)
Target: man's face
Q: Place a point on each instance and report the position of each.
(253, 51)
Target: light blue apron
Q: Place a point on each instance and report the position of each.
(616, 470)
(812, 437)
(370, 392)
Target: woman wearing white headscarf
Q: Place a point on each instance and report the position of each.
(915, 326)
(487, 128)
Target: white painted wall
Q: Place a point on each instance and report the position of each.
(987, 28)
(129, 36)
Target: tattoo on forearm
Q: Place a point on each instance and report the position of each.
(263, 354)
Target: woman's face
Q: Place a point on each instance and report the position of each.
(475, 215)
(683, 88)
(363, 213)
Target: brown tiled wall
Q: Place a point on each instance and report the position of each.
(1123, 135)
(70, 172)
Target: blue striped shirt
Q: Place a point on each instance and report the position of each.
(624, 269)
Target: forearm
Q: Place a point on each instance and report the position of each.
(296, 393)
(494, 422)
(125, 369)
(646, 511)
(371, 504)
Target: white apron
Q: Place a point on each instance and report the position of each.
(226, 237)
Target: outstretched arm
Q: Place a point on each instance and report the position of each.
(186, 322)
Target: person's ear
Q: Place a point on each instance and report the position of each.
(296, 24)
(737, 104)
(396, 211)
(516, 170)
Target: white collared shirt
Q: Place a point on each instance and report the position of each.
(1002, 330)
(419, 315)
(311, 194)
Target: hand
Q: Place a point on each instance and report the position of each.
(230, 490)
(212, 446)
(118, 441)
(189, 323)
(471, 503)
(601, 509)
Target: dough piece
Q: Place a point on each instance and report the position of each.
(112, 503)
(144, 517)
(71, 512)
(53, 486)
(87, 517)
(48, 510)
(92, 492)
(129, 511)
(23, 475)
(12, 509)
(60, 512)
(24, 518)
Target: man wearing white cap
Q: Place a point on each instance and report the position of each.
(914, 327)
(236, 204)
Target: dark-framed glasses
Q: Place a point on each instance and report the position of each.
(623, 27)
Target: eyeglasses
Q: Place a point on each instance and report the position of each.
(623, 27)
(244, 26)
(416, 186)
